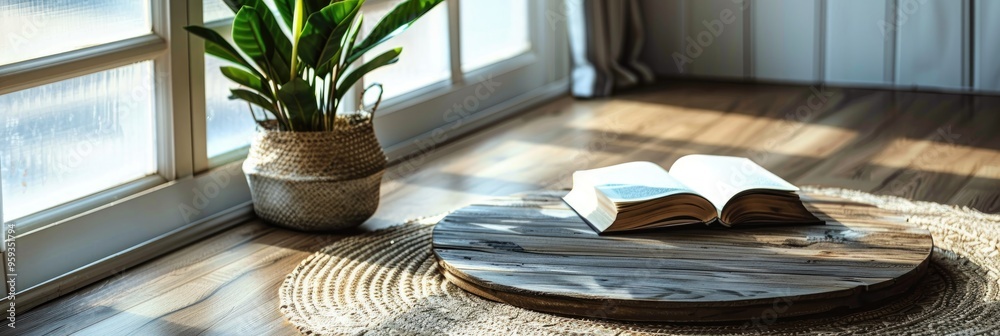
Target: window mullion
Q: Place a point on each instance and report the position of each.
(198, 91)
(173, 92)
(54, 68)
(455, 40)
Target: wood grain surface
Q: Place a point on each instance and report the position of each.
(925, 146)
(533, 251)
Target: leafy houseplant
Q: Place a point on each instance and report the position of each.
(309, 168)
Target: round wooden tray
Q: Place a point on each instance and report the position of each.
(534, 252)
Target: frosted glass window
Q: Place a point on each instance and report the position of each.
(230, 125)
(493, 31)
(425, 58)
(215, 10)
(69, 139)
(32, 28)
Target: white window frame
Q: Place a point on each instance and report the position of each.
(71, 245)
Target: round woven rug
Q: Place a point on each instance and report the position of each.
(386, 282)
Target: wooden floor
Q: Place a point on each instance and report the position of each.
(933, 147)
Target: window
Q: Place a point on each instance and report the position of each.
(228, 121)
(75, 137)
(32, 29)
(117, 135)
(493, 31)
(424, 60)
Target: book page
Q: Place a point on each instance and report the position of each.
(719, 178)
(632, 182)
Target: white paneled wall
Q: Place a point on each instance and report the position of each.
(713, 39)
(785, 40)
(931, 48)
(986, 45)
(858, 41)
(906, 44)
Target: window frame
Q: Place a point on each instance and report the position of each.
(166, 47)
(67, 246)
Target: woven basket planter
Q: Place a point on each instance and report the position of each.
(316, 181)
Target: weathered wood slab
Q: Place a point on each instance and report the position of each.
(534, 252)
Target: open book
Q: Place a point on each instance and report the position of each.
(698, 189)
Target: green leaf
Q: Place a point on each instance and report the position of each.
(244, 78)
(313, 6)
(253, 98)
(255, 41)
(248, 35)
(346, 46)
(395, 22)
(299, 98)
(235, 5)
(386, 58)
(324, 30)
(282, 46)
(217, 46)
(356, 28)
(287, 10)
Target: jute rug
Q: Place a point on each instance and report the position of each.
(386, 282)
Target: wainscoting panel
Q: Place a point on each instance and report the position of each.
(932, 45)
(785, 40)
(858, 41)
(986, 32)
(713, 39)
(935, 45)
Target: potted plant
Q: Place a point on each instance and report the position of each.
(309, 168)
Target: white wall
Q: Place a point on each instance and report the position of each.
(785, 40)
(986, 67)
(931, 46)
(858, 41)
(714, 39)
(951, 45)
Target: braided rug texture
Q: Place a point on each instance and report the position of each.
(387, 283)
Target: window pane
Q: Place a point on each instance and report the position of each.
(425, 58)
(215, 10)
(493, 31)
(230, 124)
(69, 139)
(31, 28)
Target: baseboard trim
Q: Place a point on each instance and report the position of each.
(163, 244)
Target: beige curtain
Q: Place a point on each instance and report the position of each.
(606, 39)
